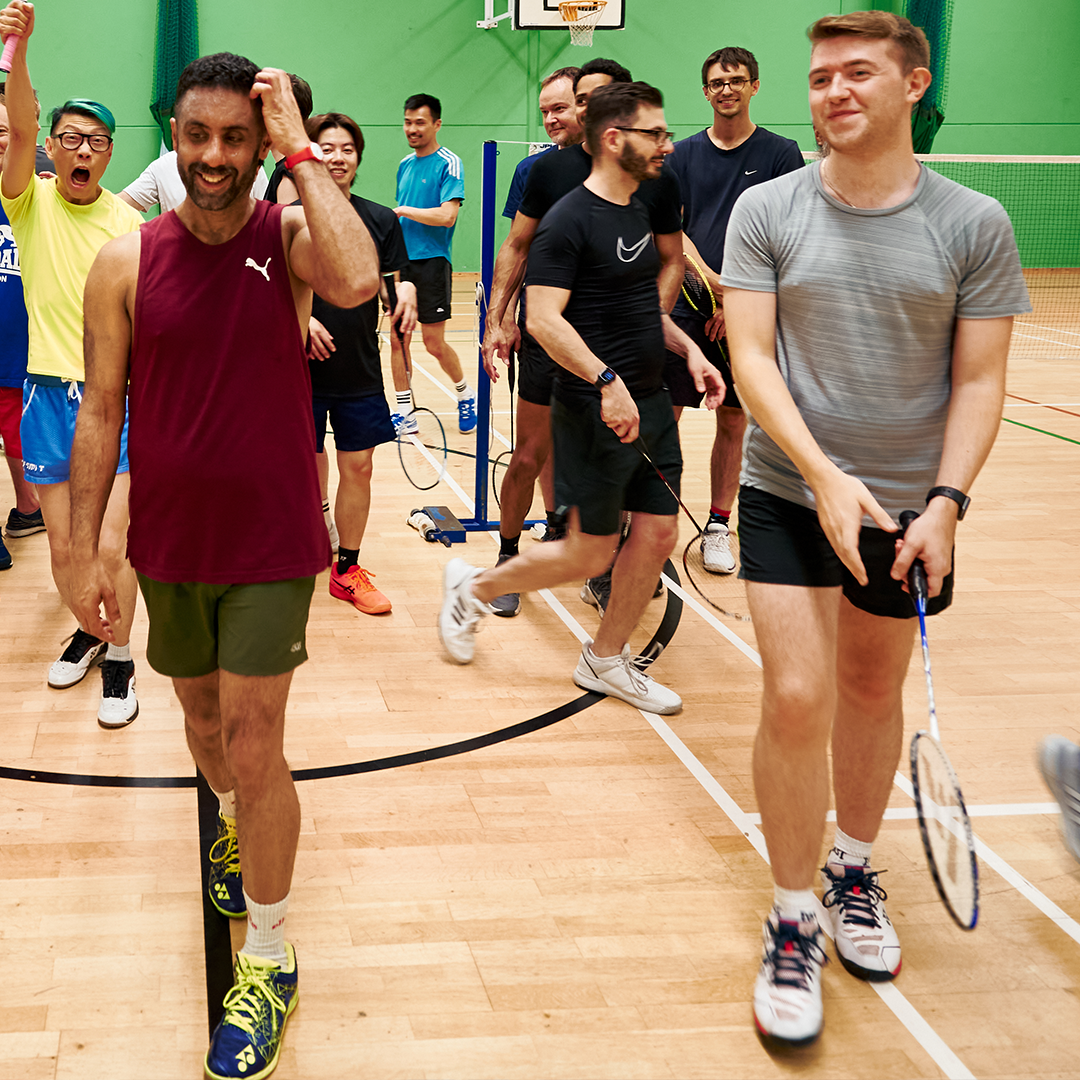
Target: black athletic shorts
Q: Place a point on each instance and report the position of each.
(536, 371)
(602, 476)
(782, 543)
(677, 378)
(432, 280)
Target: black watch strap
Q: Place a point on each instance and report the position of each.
(957, 496)
(606, 376)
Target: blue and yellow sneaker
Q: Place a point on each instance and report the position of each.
(226, 884)
(247, 1042)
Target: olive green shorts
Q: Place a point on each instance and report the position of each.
(197, 628)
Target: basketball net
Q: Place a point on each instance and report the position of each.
(581, 16)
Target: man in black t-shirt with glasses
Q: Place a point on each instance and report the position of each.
(594, 306)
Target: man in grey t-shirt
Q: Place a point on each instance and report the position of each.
(869, 305)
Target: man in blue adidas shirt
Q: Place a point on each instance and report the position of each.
(430, 190)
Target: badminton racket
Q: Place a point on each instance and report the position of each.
(9, 51)
(696, 289)
(422, 449)
(943, 819)
(391, 301)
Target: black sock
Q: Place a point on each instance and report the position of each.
(509, 545)
(347, 558)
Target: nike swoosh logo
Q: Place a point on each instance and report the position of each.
(750, 172)
(629, 254)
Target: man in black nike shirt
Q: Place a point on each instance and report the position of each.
(594, 306)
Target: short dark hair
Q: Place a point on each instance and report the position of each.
(908, 41)
(302, 92)
(614, 104)
(225, 71)
(324, 121)
(570, 73)
(37, 104)
(418, 101)
(600, 65)
(731, 57)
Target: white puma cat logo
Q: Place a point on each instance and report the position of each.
(629, 254)
(262, 269)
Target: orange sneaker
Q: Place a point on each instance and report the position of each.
(355, 587)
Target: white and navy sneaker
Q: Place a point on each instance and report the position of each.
(75, 660)
(865, 939)
(404, 424)
(459, 616)
(119, 705)
(618, 676)
(716, 549)
(787, 993)
(1059, 760)
(466, 409)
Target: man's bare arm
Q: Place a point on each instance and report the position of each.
(506, 281)
(714, 328)
(18, 18)
(672, 268)
(445, 215)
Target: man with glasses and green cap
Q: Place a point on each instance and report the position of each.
(59, 225)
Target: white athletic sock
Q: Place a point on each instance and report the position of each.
(266, 930)
(326, 506)
(795, 905)
(227, 803)
(463, 390)
(847, 851)
(118, 652)
(404, 401)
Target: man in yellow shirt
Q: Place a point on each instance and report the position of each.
(59, 225)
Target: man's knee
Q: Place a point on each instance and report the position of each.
(797, 709)
(356, 468)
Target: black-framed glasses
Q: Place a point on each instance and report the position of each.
(72, 140)
(658, 135)
(738, 84)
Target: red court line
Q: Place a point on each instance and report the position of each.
(1056, 408)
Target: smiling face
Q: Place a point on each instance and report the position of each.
(220, 142)
(586, 85)
(421, 130)
(78, 172)
(729, 102)
(559, 113)
(860, 96)
(340, 155)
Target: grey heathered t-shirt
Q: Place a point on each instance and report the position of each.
(866, 306)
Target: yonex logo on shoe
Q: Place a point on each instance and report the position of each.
(262, 269)
(222, 891)
(245, 1058)
(296, 646)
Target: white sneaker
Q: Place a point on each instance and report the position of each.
(404, 424)
(1059, 760)
(119, 706)
(716, 549)
(459, 616)
(787, 994)
(75, 660)
(865, 939)
(331, 529)
(618, 677)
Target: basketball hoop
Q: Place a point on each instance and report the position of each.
(581, 16)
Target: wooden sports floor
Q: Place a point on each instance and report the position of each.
(579, 900)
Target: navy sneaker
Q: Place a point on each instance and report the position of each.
(24, 524)
(5, 557)
(509, 604)
(597, 592)
(226, 883)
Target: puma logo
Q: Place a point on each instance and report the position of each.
(629, 254)
(262, 269)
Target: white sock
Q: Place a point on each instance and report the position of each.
(326, 506)
(847, 851)
(404, 401)
(118, 652)
(463, 390)
(227, 803)
(266, 930)
(795, 905)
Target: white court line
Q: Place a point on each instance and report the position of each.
(1036, 337)
(1052, 329)
(453, 397)
(909, 813)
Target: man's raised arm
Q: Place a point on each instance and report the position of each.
(18, 18)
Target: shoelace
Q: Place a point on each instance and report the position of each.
(114, 679)
(230, 857)
(242, 1008)
(856, 896)
(359, 579)
(791, 955)
(81, 644)
(638, 679)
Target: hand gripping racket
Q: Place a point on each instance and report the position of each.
(943, 819)
(9, 51)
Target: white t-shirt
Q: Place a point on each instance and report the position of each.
(160, 183)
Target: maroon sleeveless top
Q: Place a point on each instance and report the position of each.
(224, 488)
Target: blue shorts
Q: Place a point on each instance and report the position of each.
(50, 408)
(358, 423)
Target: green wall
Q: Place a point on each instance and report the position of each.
(364, 59)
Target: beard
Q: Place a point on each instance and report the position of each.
(236, 186)
(637, 165)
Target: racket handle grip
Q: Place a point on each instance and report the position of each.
(9, 51)
(917, 574)
(391, 299)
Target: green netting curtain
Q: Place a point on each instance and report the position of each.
(177, 46)
(935, 18)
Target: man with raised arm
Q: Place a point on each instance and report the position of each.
(59, 225)
(594, 306)
(205, 310)
(869, 303)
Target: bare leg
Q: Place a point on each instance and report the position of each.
(401, 362)
(112, 547)
(435, 342)
(56, 509)
(633, 579)
(872, 660)
(547, 483)
(726, 456)
(530, 459)
(353, 496)
(796, 631)
(322, 463)
(26, 500)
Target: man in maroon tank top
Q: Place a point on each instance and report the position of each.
(202, 311)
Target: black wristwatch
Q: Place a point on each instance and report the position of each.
(606, 376)
(957, 496)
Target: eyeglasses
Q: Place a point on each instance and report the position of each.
(72, 140)
(658, 135)
(738, 84)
